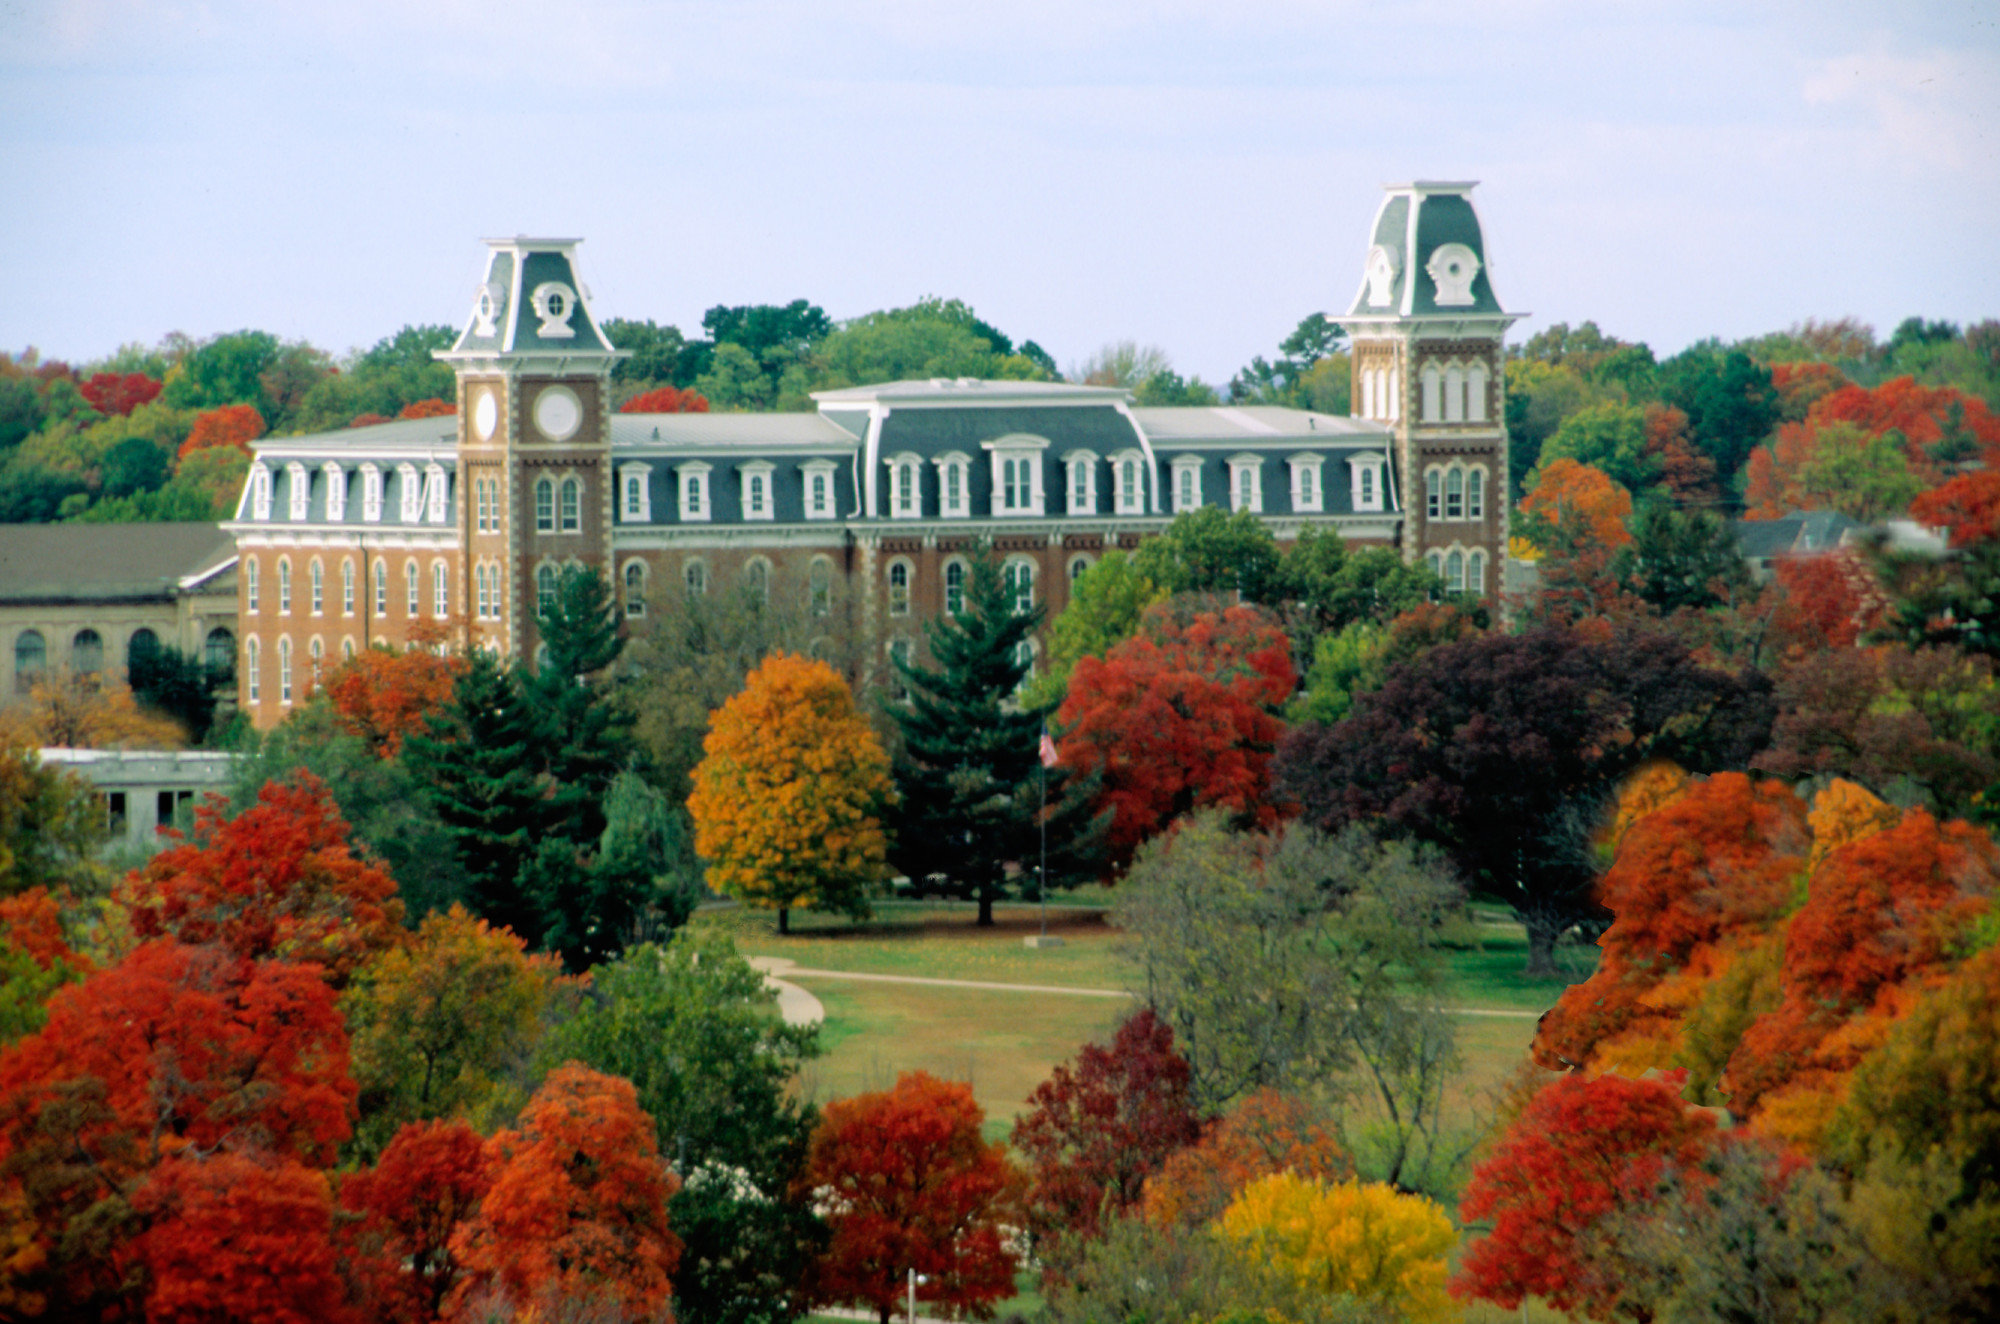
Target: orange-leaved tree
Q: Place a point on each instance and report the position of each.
(576, 1216)
(1270, 1131)
(1968, 504)
(231, 425)
(432, 408)
(666, 400)
(788, 799)
(278, 880)
(910, 1186)
(403, 1212)
(1361, 1239)
(382, 695)
(1577, 505)
(1181, 716)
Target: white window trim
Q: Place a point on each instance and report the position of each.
(1374, 462)
(564, 486)
(1302, 464)
(300, 493)
(641, 510)
(757, 469)
(1134, 501)
(435, 493)
(1081, 464)
(1186, 464)
(626, 600)
(412, 505)
(440, 591)
(1010, 568)
(260, 492)
(251, 586)
(945, 463)
(336, 492)
(371, 494)
(253, 666)
(909, 569)
(896, 464)
(1253, 465)
(1017, 446)
(347, 586)
(964, 569)
(828, 470)
(284, 586)
(694, 510)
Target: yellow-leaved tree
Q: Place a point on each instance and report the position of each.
(1361, 1239)
(788, 799)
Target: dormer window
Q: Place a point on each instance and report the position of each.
(1082, 482)
(260, 493)
(694, 490)
(1017, 473)
(406, 480)
(299, 488)
(1187, 483)
(906, 499)
(1307, 497)
(371, 494)
(636, 493)
(1365, 482)
(1128, 479)
(435, 492)
(336, 492)
(758, 499)
(954, 484)
(819, 476)
(1246, 483)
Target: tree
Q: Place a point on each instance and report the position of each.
(234, 426)
(181, 685)
(1207, 551)
(1359, 1239)
(584, 735)
(383, 696)
(576, 1215)
(1181, 716)
(787, 802)
(428, 1181)
(36, 959)
(1610, 438)
(1105, 604)
(911, 1187)
(50, 824)
(1270, 1131)
(1831, 466)
(278, 880)
(654, 353)
(445, 1025)
(1092, 1136)
(1330, 588)
(1499, 747)
(1728, 398)
(118, 394)
(1576, 503)
(665, 400)
(1682, 560)
(697, 1032)
(427, 409)
(1968, 504)
(226, 370)
(971, 781)
(76, 711)
(1579, 1149)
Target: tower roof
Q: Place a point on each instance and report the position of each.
(531, 302)
(1427, 256)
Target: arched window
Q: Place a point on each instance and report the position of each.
(250, 583)
(899, 588)
(1184, 496)
(1454, 573)
(1246, 489)
(482, 601)
(1436, 563)
(1368, 486)
(1128, 486)
(31, 659)
(635, 588)
(413, 597)
(347, 586)
(284, 668)
(440, 590)
(1475, 494)
(756, 494)
(317, 652)
(1433, 495)
(347, 649)
(86, 653)
(1454, 394)
(1454, 493)
(572, 505)
(899, 653)
(1475, 392)
(1430, 393)
(954, 489)
(253, 663)
(318, 586)
(695, 575)
(284, 586)
(545, 506)
(1475, 573)
(954, 587)
(1020, 580)
(545, 590)
(1077, 565)
(906, 488)
(381, 587)
(219, 650)
(819, 490)
(143, 644)
(819, 586)
(757, 579)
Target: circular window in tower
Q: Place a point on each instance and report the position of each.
(558, 413)
(485, 416)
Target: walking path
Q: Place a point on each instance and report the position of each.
(800, 1007)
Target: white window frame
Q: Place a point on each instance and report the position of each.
(954, 483)
(1308, 489)
(336, 492)
(956, 566)
(1129, 498)
(371, 494)
(284, 586)
(413, 588)
(569, 513)
(436, 493)
(899, 596)
(250, 583)
(825, 472)
(260, 492)
(298, 490)
(635, 505)
(1475, 491)
(1011, 573)
(1014, 449)
(694, 484)
(316, 574)
(694, 577)
(1253, 466)
(1080, 482)
(1434, 493)
(633, 574)
(381, 586)
(547, 584)
(440, 591)
(757, 577)
(819, 597)
(285, 669)
(1364, 473)
(346, 586)
(757, 474)
(545, 504)
(1454, 393)
(253, 666)
(1477, 380)
(411, 503)
(1187, 482)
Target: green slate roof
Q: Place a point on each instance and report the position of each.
(516, 269)
(1414, 222)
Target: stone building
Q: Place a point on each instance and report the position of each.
(866, 509)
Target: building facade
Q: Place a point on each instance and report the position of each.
(866, 510)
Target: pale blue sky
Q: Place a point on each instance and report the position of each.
(1197, 175)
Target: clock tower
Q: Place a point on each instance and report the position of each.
(534, 438)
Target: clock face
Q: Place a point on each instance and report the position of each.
(485, 416)
(558, 413)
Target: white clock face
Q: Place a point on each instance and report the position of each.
(558, 413)
(485, 416)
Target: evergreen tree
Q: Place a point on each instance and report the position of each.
(584, 738)
(970, 772)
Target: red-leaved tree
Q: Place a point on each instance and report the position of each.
(1968, 505)
(427, 409)
(382, 696)
(428, 1181)
(231, 425)
(909, 1184)
(118, 393)
(1094, 1134)
(1181, 716)
(1268, 1133)
(666, 400)
(1580, 1150)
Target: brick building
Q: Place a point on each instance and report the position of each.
(866, 509)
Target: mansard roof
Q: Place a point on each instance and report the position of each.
(1255, 423)
(950, 391)
(1427, 256)
(531, 302)
(780, 431)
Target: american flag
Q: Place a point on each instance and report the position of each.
(1048, 750)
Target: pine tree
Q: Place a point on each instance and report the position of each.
(970, 772)
(584, 738)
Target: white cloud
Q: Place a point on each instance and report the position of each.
(1937, 109)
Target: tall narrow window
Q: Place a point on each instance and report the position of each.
(819, 494)
(1433, 495)
(572, 505)
(756, 494)
(1307, 496)
(819, 587)
(413, 597)
(284, 586)
(545, 506)
(381, 588)
(757, 579)
(954, 588)
(1368, 486)
(318, 587)
(347, 649)
(1475, 494)
(253, 668)
(440, 590)
(1128, 485)
(284, 668)
(899, 657)
(906, 488)
(347, 586)
(634, 490)
(316, 651)
(635, 588)
(1454, 493)
(1246, 487)
(1185, 498)
(545, 590)
(1454, 573)
(1020, 581)
(695, 575)
(86, 652)
(1475, 573)
(250, 583)
(480, 599)
(954, 481)
(899, 588)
